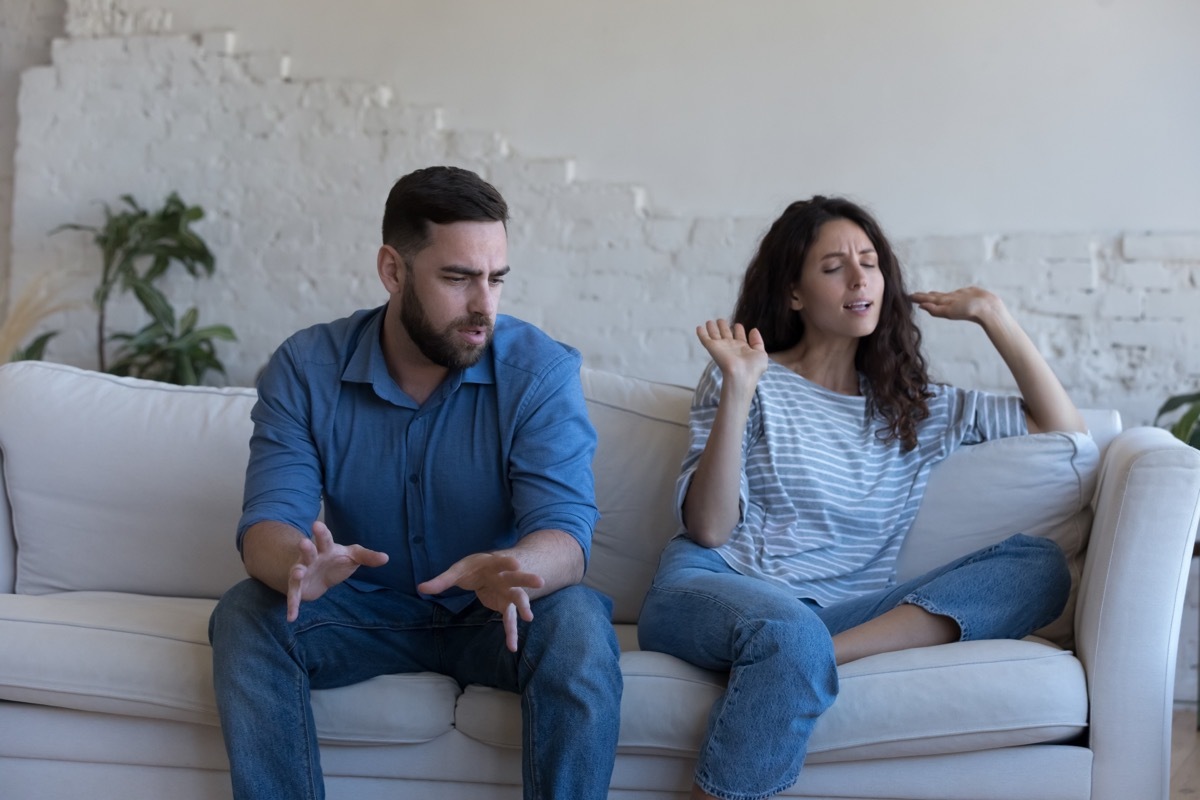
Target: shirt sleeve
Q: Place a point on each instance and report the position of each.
(981, 416)
(700, 423)
(283, 477)
(550, 462)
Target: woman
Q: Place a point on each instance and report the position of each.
(812, 435)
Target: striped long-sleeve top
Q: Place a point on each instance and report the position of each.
(825, 502)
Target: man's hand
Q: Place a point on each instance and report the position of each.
(497, 581)
(324, 563)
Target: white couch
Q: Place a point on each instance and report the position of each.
(117, 513)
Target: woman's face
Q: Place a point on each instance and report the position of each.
(840, 291)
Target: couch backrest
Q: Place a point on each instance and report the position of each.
(117, 484)
(643, 436)
(126, 485)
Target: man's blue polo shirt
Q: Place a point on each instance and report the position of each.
(500, 450)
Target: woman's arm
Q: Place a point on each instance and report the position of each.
(711, 507)
(1048, 407)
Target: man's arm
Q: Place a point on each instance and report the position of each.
(550, 470)
(283, 488)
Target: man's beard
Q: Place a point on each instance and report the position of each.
(440, 347)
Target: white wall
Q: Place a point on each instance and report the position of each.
(947, 117)
(294, 171)
(26, 27)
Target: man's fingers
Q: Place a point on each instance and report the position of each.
(483, 574)
(522, 580)
(295, 589)
(368, 558)
(510, 627)
(440, 583)
(524, 609)
(321, 536)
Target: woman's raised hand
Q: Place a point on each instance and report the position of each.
(969, 303)
(1048, 407)
(740, 356)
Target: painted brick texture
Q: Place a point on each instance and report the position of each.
(293, 175)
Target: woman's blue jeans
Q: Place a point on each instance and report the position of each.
(567, 672)
(779, 650)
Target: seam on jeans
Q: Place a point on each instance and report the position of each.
(916, 600)
(529, 725)
(309, 738)
(723, 795)
(313, 625)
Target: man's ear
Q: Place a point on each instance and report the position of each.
(390, 266)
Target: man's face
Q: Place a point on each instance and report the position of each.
(452, 289)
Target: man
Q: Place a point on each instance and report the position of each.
(452, 450)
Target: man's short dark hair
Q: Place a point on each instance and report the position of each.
(440, 195)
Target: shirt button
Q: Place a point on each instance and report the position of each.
(418, 539)
(413, 479)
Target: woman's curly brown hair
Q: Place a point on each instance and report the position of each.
(889, 358)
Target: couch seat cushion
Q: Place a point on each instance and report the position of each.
(948, 699)
(149, 657)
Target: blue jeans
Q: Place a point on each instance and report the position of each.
(567, 672)
(779, 650)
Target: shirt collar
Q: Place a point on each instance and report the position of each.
(366, 365)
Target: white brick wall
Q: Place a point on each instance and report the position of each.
(294, 173)
(26, 27)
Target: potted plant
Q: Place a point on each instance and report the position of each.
(138, 247)
(1187, 427)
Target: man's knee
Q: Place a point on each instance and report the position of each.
(573, 624)
(247, 603)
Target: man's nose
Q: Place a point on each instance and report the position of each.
(483, 301)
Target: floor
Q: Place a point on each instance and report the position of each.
(1185, 755)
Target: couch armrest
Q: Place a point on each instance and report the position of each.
(1130, 604)
(8, 544)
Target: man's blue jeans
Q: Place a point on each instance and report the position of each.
(566, 671)
(779, 650)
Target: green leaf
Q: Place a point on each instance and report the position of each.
(1175, 402)
(188, 322)
(155, 303)
(35, 349)
(1187, 424)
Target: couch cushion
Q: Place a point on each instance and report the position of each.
(643, 434)
(1039, 485)
(149, 657)
(953, 698)
(79, 445)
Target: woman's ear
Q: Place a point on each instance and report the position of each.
(795, 301)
